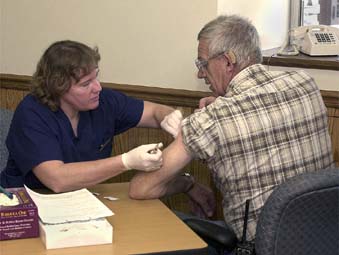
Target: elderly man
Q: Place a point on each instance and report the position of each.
(261, 128)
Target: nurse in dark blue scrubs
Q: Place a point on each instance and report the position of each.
(62, 133)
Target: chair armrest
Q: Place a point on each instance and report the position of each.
(221, 235)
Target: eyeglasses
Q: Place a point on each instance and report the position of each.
(202, 63)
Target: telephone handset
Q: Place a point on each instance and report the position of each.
(316, 40)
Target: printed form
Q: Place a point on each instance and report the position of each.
(79, 205)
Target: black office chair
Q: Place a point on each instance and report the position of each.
(5, 121)
(301, 217)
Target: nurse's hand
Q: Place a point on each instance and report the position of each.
(146, 157)
(172, 123)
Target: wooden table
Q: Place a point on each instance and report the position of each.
(139, 227)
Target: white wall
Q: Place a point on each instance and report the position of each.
(142, 42)
(268, 16)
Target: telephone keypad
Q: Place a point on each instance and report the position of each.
(324, 37)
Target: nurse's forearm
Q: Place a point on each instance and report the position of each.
(61, 177)
(153, 114)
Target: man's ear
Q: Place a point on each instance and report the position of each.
(231, 58)
(230, 61)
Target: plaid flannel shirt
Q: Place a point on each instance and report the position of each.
(268, 127)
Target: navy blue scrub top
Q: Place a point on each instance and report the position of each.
(37, 135)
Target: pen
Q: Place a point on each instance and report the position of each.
(102, 146)
(7, 193)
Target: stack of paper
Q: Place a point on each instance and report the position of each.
(71, 219)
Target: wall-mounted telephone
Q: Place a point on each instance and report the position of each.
(316, 40)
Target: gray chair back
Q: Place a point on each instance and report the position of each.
(301, 216)
(5, 122)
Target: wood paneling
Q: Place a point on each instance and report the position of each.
(13, 88)
(333, 125)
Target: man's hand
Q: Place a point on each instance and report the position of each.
(202, 201)
(146, 157)
(172, 123)
(203, 102)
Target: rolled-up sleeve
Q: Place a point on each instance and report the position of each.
(200, 134)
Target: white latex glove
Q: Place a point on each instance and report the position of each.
(146, 157)
(172, 122)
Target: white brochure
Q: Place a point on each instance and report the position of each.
(79, 205)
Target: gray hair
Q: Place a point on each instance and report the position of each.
(233, 33)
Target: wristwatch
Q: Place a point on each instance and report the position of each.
(192, 181)
(186, 174)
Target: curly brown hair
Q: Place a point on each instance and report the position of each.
(62, 63)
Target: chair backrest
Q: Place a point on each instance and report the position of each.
(5, 122)
(301, 216)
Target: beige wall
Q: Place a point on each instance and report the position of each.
(269, 17)
(142, 42)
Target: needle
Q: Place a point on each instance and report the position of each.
(154, 151)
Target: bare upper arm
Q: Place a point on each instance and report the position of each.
(175, 157)
(153, 184)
